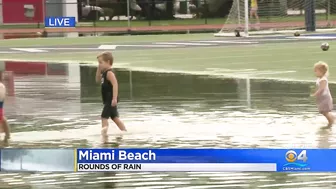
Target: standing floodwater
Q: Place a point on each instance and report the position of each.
(59, 107)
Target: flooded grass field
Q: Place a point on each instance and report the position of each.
(60, 105)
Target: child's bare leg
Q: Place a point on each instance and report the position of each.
(6, 128)
(119, 123)
(257, 17)
(330, 119)
(104, 126)
(251, 25)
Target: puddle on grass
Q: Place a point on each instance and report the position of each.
(59, 105)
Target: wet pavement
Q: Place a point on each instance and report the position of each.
(60, 105)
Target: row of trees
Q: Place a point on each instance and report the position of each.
(281, 7)
(204, 8)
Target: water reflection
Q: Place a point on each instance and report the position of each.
(58, 106)
(325, 138)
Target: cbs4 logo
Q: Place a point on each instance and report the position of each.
(292, 156)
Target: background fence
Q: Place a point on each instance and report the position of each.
(150, 13)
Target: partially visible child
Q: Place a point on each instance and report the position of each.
(109, 90)
(254, 12)
(323, 97)
(4, 127)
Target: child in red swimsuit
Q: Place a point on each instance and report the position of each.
(4, 127)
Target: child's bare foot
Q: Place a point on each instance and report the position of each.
(329, 126)
(104, 131)
(257, 27)
(331, 121)
(105, 139)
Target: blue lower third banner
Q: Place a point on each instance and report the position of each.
(170, 160)
(214, 160)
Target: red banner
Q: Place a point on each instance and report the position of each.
(25, 68)
(23, 11)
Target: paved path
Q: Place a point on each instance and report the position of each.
(178, 44)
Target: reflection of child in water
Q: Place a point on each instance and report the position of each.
(254, 12)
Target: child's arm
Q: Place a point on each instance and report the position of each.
(3, 92)
(98, 75)
(111, 77)
(323, 85)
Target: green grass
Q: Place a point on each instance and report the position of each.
(279, 57)
(98, 40)
(176, 22)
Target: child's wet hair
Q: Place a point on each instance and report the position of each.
(106, 56)
(323, 67)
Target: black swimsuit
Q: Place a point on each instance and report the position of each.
(107, 96)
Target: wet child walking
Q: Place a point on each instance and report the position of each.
(254, 12)
(109, 90)
(323, 96)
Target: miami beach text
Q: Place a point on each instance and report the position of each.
(111, 155)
